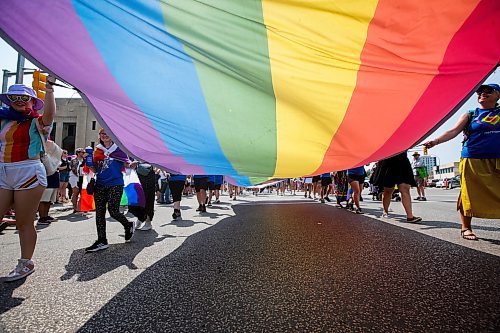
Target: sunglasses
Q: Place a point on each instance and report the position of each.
(22, 98)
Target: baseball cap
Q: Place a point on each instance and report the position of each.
(488, 86)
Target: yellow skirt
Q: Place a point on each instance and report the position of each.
(480, 187)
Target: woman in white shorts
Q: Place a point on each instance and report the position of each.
(76, 176)
(22, 175)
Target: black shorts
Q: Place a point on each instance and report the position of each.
(201, 184)
(326, 181)
(211, 186)
(176, 188)
(357, 178)
(316, 179)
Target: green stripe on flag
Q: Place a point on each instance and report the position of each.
(232, 61)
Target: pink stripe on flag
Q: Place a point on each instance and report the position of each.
(461, 55)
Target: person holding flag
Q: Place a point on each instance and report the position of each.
(108, 163)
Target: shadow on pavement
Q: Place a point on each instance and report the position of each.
(181, 223)
(308, 268)
(6, 290)
(88, 266)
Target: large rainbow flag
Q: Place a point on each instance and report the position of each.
(263, 88)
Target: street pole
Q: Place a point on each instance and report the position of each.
(20, 68)
(5, 80)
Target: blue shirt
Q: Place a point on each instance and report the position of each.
(325, 175)
(484, 135)
(110, 174)
(359, 171)
(219, 179)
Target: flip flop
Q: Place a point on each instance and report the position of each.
(464, 236)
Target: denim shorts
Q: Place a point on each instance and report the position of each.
(64, 176)
(22, 175)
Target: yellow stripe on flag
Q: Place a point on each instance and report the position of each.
(314, 49)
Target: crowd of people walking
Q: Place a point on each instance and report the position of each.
(26, 187)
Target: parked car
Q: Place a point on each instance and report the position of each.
(432, 183)
(440, 183)
(454, 182)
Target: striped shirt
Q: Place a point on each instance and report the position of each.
(19, 141)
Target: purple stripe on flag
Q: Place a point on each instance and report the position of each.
(70, 40)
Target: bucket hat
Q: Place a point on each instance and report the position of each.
(21, 89)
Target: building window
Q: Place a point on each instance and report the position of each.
(92, 144)
(94, 125)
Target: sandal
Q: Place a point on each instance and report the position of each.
(470, 236)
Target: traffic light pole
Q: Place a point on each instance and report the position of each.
(20, 68)
(5, 80)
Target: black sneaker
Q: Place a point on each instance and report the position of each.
(176, 214)
(327, 199)
(423, 199)
(129, 231)
(209, 204)
(44, 220)
(200, 208)
(358, 211)
(98, 246)
(414, 219)
(203, 209)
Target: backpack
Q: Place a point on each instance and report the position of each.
(466, 131)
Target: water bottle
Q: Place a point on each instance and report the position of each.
(89, 161)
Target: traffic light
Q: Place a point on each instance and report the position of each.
(425, 150)
(39, 82)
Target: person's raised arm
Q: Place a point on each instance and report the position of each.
(451, 133)
(49, 109)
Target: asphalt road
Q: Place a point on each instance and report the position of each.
(262, 264)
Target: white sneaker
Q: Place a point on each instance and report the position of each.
(24, 268)
(145, 226)
(137, 223)
(385, 216)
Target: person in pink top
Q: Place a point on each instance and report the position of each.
(22, 175)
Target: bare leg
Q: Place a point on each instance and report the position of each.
(386, 198)
(6, 201)
(421, 191)
(43, 209)
(74, 197)
(61, 192)
(466, 224)
(406, 199)
(355, 192)
(26, 204)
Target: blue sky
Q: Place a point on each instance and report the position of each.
(447, 152)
